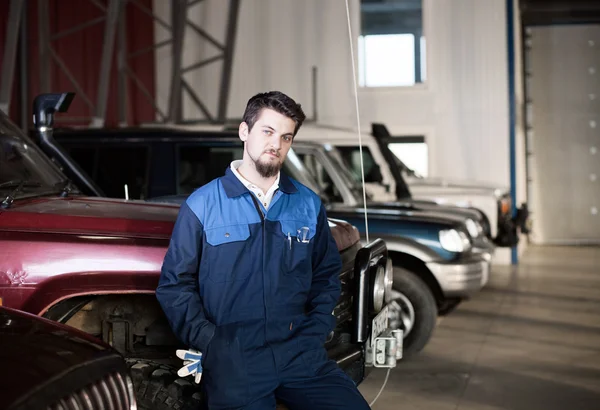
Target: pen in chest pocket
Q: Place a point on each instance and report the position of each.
(301, 236)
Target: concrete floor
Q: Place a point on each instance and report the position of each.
(530, 340)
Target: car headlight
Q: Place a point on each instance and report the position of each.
(379, 289)
(453, 240)
(389, 278)
(473, 228)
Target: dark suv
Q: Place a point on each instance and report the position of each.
(161, 164)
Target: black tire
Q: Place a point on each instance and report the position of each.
(157, 387)
(416, 291)
(448, 306)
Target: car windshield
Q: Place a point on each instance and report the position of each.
(23, 165)
(336, 158)
(294, 167)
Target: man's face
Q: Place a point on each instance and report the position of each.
(269, 141)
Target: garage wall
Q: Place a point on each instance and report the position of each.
(564, 133)
(462, 109)
(81, 52)
(274, 50)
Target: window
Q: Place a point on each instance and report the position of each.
(351, 156)
(199, 164)
(114, 167)
(391, 47)
(13, 163)
(412, 153)
(85, 157)
(320, 174)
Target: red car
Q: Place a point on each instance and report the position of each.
(94, 263)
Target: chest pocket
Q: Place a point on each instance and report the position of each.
(226, 252)
(298, 248)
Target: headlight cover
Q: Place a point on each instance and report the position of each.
(389, 278)
(453, 240)
(473, 228)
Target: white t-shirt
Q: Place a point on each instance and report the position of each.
(265, 198)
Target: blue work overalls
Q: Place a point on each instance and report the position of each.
(255, 291)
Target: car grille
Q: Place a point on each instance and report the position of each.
(112, 392)
(343, 310)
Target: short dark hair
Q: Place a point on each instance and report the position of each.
(277, 101)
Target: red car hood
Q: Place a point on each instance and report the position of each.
(115, 217)
(90, 215)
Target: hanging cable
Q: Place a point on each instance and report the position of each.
(362, 167)
(382, 387)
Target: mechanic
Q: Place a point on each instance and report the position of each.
(251, 277)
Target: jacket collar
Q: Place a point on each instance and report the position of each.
(233, 186)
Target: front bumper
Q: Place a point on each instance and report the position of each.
(484, 247)
(461, 278)
(384, 346)
(351, 359)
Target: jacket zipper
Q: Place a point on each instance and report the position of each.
(260, 212)
(262, 220)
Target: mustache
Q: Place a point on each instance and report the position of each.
(271, 151)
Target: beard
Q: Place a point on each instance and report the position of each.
(267, 169)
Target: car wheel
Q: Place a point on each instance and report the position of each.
(412, 309)
(157, 387)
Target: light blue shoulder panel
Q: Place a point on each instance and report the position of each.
(215, 209)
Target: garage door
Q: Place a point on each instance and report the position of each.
(563, 89)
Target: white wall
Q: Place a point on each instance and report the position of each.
(462, 109)
(274, 50)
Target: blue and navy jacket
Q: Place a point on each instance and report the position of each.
(230, 263)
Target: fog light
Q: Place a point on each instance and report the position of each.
(379, 289)
(389, 279)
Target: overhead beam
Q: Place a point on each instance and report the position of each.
(112, 20)
(23, 66)
(178, 17)
(547, 12)
(234, 6)
(10, 53)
